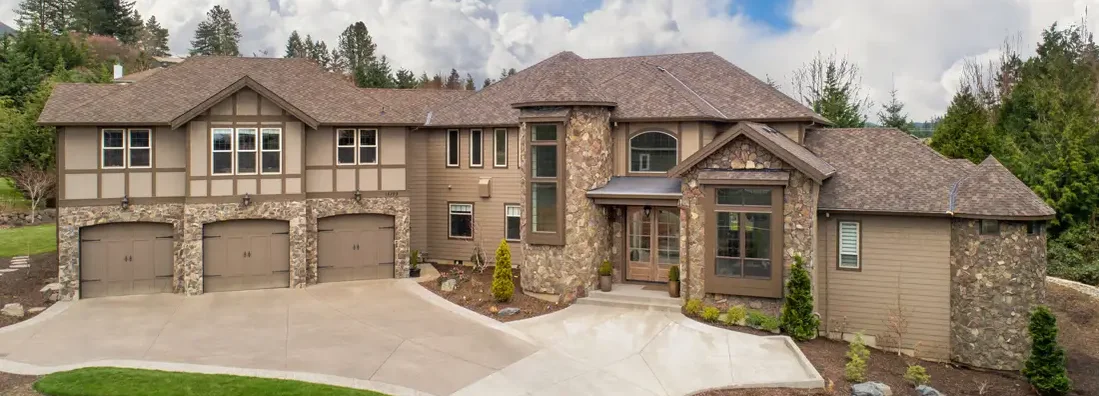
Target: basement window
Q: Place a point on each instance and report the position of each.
(990, 227)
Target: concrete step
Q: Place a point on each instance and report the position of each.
(633, 293)
(627, 304)
(633, 301)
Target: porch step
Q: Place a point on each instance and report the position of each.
(632, 297)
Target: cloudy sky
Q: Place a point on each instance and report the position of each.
(917, 46)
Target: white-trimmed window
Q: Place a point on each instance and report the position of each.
(476, 148)
(221, 151)
(653, 152)
(452, 147)
(849, 240)
(114, 148)
(140, 148)
(345, 146)
(126, 148)
(500, 145)
(512, 214)
(246, 151)
(270, 151)
(368, 147)
(357, 146)
(461, 220)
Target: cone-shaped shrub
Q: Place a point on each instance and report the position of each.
(1045, 368)
(798, 319)
(502, 285)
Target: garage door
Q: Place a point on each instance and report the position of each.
(245, 255)
(121, 259)
(354, 247)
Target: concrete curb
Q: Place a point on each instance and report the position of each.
(395, 390)
(1089, 290)
(413, 287)
(56, 309)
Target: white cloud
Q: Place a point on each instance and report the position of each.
(916, 45)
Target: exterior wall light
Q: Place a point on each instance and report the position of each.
(358, 196)
(125, 202)
(247, 200)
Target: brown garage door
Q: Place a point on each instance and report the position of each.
(121, 259)
(245, 255)
(354, 247)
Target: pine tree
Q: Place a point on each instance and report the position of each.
(357, 48)
(469, 83)
(454, 81)
(295, 48)
(424, 81)
(34, 14)
(831, 87)
(218, 35)
(798, 319)
(1045, 368)
(488, 81)
(965, 131)
(115, 18)
(154, 39)
(378, 75)
(505, 73)
(502, 285)
(437, 82)
(405, 79)
(893, 116)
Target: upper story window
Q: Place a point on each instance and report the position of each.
(271, 148)
(452, 147)
(126, 148)
(476, 146)
(653, 152)
(357, 146)
(1035, 228)
(545, 185)
(245, 151)
(500, 144)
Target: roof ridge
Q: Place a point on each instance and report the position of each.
(650, 55)
(684, 86)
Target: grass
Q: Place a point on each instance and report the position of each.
(104, 381)
(28, 240)
(10, 196)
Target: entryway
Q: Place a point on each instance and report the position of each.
(245, 255)
(354, 247)
(652, 242)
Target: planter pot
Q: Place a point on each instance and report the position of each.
(605, 283)
(673, 289)
(414, 273)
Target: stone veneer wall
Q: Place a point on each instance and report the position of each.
(555, 269)
(71, 219)
(995, 281)
(800, 199)
(399, 208)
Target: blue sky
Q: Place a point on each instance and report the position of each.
(773, 13)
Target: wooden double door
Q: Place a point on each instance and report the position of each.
(652, 242)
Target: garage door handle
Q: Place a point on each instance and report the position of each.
(387, 228)
(89, 240)
(330, 230)
(280, 272)
(163, 276)
(387, 263)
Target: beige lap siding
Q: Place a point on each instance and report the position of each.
(906, 262)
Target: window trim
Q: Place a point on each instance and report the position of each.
(449, 219)
(479, 147)
(1036, 228)
(981, 228)
(508, 217)
(359, 146)
(237, 151)
(457, 136)
(858, 245)
(129, 148)
(556, 237)
(496, 148)
(752, 287)
(262, 150)
(629, 151)
(125, 149)
(354, 146)
(231, 151)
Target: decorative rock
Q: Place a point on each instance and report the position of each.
(449, 285)
(871, 389)
(9, 270)
(52, 287)
(20, 266)
(754, 304)
(925, 390)
(508, 311)
(54, 296)
(36, 310)
(13, 309)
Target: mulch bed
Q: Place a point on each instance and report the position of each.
(23, 286)
(475, 294)
(17, 385)
(1078, 321)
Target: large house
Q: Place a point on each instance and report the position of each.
(241, 173)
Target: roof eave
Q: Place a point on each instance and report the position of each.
(519, 105)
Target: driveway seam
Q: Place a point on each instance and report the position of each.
(653, 372)
(459, 358)
(161, 332)
(371, 377)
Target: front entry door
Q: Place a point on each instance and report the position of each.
(652, 243)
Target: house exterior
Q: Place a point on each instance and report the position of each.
(241, 173)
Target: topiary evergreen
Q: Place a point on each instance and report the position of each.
(1045, 368)
(858, 357)
(502, 285)
(798, 319)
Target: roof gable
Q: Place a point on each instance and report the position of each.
(778, 144)
(244, 82)
(992, 190)
(561, 81)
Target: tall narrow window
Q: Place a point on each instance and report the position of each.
(849, 233)
(271, 151)
(140, 148)
(452, 147)
(368, 146)
(545, 185)
(653, 152)
(511, 217)
(500, 143)
(461, 220)
(345, 147)
(114, 148)
(221, 147)
(476, 146)
(246, 151)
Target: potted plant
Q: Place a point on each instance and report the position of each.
(414, 264)
(673, 281)
(605, 271)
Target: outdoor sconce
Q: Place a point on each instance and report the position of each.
(125, 202)
(648, 210)
(247, 200)
(358, 196)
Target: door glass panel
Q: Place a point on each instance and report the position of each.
(728, 267)
(640, 237)
(667, 228)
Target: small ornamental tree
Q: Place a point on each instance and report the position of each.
(858, 357)
(1045, 368)
(798, 319)
(502, 285)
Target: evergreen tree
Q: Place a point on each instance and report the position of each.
(505, 73)
(424, 81)
(357, 48)
(19, 76)
(831, 87)
(34, 14)
(454, 81)
(488, 81)
(893, 116)
(1045, 368)
(218, 35)
(295, 48)
(437, 82)
(115, 18)
(469, 83)
(405, 79)
(377, 75)
(965, 131)
(154, 39)
(503, 286)
(798, 319)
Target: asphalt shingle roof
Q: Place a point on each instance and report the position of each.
(990, 189)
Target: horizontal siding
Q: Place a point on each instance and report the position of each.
(905, 262)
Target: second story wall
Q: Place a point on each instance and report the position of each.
(342, 160)
(687, 136)
(98, 165)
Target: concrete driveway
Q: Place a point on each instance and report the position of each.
(396, 337)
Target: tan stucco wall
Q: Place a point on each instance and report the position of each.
(247, 103)
(368, 179)
(140, 185)
(320, 147)
(171, 147)
(171, 184)
(318, 180)
(392, 145)
(81, 186)
(199, 136)
(792, 130)
(270, 187)
(267, 107)
(221, 187)
(81, 148)
(112, 185)
(291, 139)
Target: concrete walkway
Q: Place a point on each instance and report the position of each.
(396, 337)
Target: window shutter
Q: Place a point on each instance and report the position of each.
(849, 244)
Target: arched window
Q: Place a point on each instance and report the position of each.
(653, 152)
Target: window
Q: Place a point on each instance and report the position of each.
(1035, 228)
(122, 148)
(345, 147)
(990, 227)
(452, 147)
(849, 240)
(545, 185)
(476, 146)
(221, 146)
(357, 147)
(461, 220)
(246, 151)
(744, 196)
(271, 150)
(511, 226)
(368, 147)
(743, 245)
(653, 152)
(140, 148)
(114, 148)
(500, 142)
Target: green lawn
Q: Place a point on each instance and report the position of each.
(10, 197)
(28, 240)
(104, 381)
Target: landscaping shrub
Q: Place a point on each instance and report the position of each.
(735, 314)
(1045, 368)
(710, 314)
(673, 274)
(858, 356)
(798, 319)
(606, 269)
(917, 375)
(693, 307)
(1074, 255)
(414, 259)
(769, 323)
(756, 318)
(502, 285)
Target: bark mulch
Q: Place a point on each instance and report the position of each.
(17, 385)
(23, 286)
(475, 293)
(1078, 321)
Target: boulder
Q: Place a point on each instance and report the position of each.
(508, 311)
(13, 309)
(925, 390)
(55, 296)
(449, 285)
(36, 310)
(871, 389)
(52, 287)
